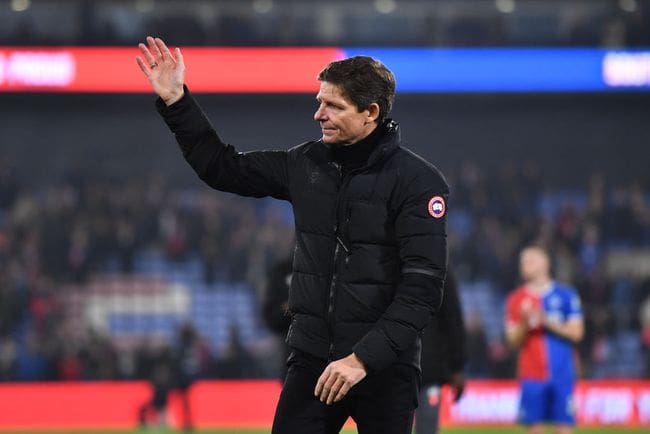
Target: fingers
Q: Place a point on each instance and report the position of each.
(334, 391)
(162, 48)
(342, 392)
(156, 51)
(336, 381)
(153, 47)
(330, 387)
(143, 66)
(179, 57)
(321, 381)
(146, 53)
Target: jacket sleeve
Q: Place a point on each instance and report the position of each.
(420, 227)
(221, 166)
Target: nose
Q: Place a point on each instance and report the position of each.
(320, 114)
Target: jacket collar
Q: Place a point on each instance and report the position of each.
(387, 144)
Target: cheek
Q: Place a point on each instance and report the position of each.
(337, 123)
(349, 123)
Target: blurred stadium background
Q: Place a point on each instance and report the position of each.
(109, 244)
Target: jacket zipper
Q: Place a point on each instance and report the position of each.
(337, 252)
(330, 304)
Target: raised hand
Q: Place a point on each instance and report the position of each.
(165, 71)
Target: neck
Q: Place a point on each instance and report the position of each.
(356, 155)
(369, 130)
(539, 284)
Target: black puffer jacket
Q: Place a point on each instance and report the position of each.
(371, 252)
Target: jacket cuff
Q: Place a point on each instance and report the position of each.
(375, 352)
(164, 109)
(183, 116)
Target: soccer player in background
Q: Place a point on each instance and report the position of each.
(544, 321)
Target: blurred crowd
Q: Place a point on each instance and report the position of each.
(67, 232)
(71, 230)
(343, 22)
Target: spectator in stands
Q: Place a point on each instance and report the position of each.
(8, 185)
(276, 304)
(99, 357)
(211, 246)
(235, 361)
(644, 317)
(477, 366)
(8, 356)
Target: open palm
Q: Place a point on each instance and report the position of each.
(165, 71)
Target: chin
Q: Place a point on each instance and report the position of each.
(331, 140)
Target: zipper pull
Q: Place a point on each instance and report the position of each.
(340, 241)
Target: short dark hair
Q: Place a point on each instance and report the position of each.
(364, 81)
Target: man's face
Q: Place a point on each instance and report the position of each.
(533, 264)
(339, 119)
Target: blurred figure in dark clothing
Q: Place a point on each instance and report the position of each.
(644, 319)
(235, 361)
(156, 364)
(190, 357)
(443, 358)
(276, 304)
(170, 368)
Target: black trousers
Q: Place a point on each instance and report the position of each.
(379, 404)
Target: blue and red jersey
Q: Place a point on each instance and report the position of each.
(545, 356)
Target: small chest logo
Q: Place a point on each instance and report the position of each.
(437, 207)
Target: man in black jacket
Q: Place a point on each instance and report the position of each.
(371, 251)
(443, 358)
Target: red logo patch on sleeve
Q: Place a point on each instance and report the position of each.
(437, 207)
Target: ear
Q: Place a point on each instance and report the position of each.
(373, 112)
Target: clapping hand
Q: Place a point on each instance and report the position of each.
(165, 71)
(533, 318)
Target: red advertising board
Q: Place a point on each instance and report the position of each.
(71, 405)
(251, 404)
(113, 69)
(605, 402)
